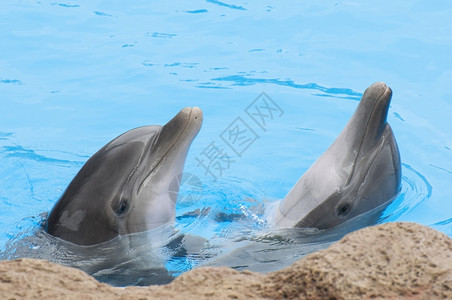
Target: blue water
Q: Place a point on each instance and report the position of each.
(75, 74)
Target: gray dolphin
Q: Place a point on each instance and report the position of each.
(359, 172)
(130, 185)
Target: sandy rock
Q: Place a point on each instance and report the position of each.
(394, 260)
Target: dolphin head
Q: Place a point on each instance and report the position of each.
(360, 172)
(129, 185)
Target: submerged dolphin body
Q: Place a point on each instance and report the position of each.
(360, 171)
(130, 185)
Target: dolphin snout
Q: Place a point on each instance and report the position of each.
(196, 113)
(379, 85)
(190, 114)
(378, 92)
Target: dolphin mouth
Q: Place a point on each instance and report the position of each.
(180, 130)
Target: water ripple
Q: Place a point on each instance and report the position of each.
(160, 35)
(444, 226)
(345, 93)
(5, 135)
(398, 116)
(65, 5)
(198, 11)
(441, 168)
(23, 153)
(231, 6)
(10, 81)
(445, 222)
(102, 14)
(415, 189)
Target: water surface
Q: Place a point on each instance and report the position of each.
(75, 74)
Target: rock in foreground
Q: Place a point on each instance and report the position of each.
(394, 260)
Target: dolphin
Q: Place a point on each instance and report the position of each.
(130, 185)
(359, 172)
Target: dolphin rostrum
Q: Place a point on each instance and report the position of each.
(130, 185)
(359, 172)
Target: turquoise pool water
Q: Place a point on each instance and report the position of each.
(75, 74)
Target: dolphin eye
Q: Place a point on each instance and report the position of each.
(344, 209)
(123, 207)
